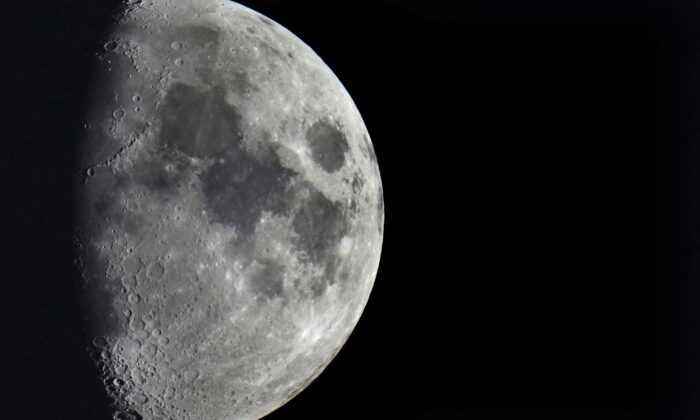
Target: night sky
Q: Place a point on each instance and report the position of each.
(541, 171)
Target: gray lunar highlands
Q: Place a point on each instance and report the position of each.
(230, 208)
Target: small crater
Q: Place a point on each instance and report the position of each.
(157, 177)
(191, 375)
(266, 21)
(129, 281)
(137, 324)
(149, 350)
(118, 113)
(127, 415)
(100, 342)
(176, 45)
(111, 45)
(131, 264)
(139, 398)
(328, 145)
(155, 270)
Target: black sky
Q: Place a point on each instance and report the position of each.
(541, 170)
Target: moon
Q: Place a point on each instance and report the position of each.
(230, 212)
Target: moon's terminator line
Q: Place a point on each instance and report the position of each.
(231, 212)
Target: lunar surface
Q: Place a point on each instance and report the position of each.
(231, 212)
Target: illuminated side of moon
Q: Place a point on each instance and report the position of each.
(231, 212)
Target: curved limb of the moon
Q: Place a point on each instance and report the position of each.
(231, 212)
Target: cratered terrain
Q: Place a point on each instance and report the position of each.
(231, 212)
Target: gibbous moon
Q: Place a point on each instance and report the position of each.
(231, 212)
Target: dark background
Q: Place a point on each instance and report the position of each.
(541, 169)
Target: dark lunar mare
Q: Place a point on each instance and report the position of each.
(239, 185)
(319, 224)
(199, 124)
(328, 145)
(268, 280)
